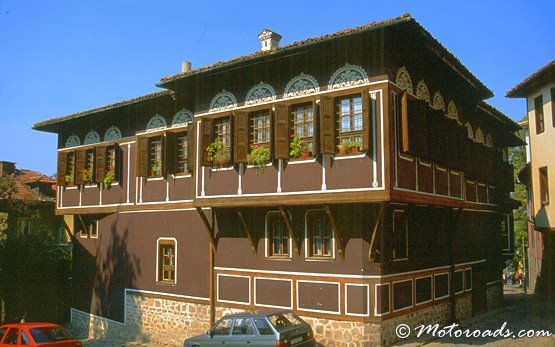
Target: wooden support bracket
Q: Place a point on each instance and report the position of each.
(82, 223)
(247, 231)
(290, 229)
(209, 228)
(338, 237)
(373, 243)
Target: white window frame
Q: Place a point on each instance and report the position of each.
(308, 241)
(268, 242)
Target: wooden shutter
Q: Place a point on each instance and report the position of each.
(142, 156)
(80, 157)
(405, 145)
(367, 133)
(282, 132)
(100, 163)
(241, 137)
(191, 148)
(118, 170)
(316, 128)
(327, 125)
(207, 131)
(62, 168)
(170, 154)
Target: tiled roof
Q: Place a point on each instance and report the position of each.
(23, 179)
(444, 53)
(531, 81)
(499, 115)
(40, 125)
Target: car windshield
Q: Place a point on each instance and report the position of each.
(49, 334)
(284, 321)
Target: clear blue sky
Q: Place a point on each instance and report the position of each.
(59, 57)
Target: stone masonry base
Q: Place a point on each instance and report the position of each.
(169, 321)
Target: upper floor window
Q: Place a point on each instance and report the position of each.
(350, 119)
(111, 159)
(182, 152)
(278, 236)
(303, 125)
(222, 129)
(319, 235)
(166, 260)
(155, 161)
(544, 185)
(69, 171)
(538, 110)
(89, 169)
(260, 125)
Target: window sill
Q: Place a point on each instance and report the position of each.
(155, 178)
(320, 259)
(401, 259)
(186, 175)
(167, 283)
(279, 258)
(343, 157)
(70, 187)
(301, 161)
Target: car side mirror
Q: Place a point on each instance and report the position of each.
(209, 333)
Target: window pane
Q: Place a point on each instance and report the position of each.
(182, 145)
(263, 327)
(243, 326)
(223, 327)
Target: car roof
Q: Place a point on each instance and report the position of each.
(255, 313)
(29, 325)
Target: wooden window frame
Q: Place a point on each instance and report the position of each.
(544, 185)
(352, 134)
(538, 111)
(310, 253)
(264, 129)
(93, 229)
(162, 243)
(305, 121)
(109, 159)
(275, 216)
(397, 235)
(182, 153)
(155, 154)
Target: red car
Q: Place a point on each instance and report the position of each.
(36, 334)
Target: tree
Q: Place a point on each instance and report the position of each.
(518, 159)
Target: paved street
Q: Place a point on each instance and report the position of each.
(520, 312)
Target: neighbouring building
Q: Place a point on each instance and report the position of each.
(385, 198)
(539, 92)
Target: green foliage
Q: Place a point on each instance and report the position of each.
(297, 146)
(69, 179)
(259, 156)
(347, 146)
(108, 179)
(87, 176)
(517, 157)
(156, 168)
(217, 153)
(7, 187)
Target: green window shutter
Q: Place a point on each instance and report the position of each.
(142, 156)
(282, 132)
(191, 146)
(367, 133)
(327, 125)
(206, 128)
(316, 127)
(170, 153)
(62, 168)
(241, 137)
(100, 163)
(80, 157)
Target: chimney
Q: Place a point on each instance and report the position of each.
(185, 66)
(269, 39)
(6, 168)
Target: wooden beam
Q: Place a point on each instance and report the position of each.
(209, 228)
(290, 229)
(247, 231)
(336, 232)
(83, 224)
(373, 243)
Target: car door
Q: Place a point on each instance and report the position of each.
(220, 333)
(243, 333)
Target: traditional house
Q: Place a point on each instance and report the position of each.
(539, 92)
(358, 179)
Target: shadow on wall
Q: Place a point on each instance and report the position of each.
(545, 283)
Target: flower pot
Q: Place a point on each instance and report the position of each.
(304, 154)
(341, 150)
(354, 151)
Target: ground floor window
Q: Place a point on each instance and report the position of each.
(319, 234)
(278, 236)
(166, 260)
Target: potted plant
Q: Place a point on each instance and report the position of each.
(298, 148)
(156, 169)
(69, 179)
(108, 179)
(259, 156)
(87, 176)
(218, 154)
(349, 147)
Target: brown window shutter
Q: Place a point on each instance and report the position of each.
(327, 125)
(170, 153)
(62, 168)
(282, 132)
(118, 171)
(241, 137)
(405, 123)
(207, 131)
(100, 163)
(316, 119)
(80, 157)
(191, 148)
(367, 133)
(142, 156)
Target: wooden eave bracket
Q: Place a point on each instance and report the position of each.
(373, 243)
(82, 223)
(209, 228)
(290, 230)
(337, 234)
(247, 230)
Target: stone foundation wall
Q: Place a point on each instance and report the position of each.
(90, 326)
(494, 295)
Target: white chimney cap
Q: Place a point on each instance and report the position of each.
(269, 39)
